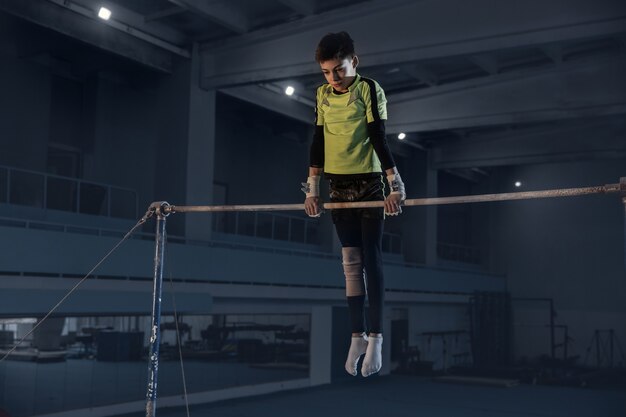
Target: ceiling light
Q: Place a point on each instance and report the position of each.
(104, 13)
(401, 136)
(289, 90)
(518, 184)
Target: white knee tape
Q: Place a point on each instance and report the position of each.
(353, 270)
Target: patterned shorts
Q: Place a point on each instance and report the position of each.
(351, 190)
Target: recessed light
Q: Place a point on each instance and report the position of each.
(104, 13)
(290, 90)
(401, 136)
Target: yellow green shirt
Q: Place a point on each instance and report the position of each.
(344, 117)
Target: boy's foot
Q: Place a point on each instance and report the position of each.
(357, 349)
(373, 356)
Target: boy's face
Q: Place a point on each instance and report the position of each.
(340, 72)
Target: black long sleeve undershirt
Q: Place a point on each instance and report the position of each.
(378, 138)
(316, 155)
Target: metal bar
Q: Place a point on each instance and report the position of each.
(481, 198)
(155, 338)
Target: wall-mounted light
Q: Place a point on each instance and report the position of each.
(290, 90)
(401, 136)
(104, 13)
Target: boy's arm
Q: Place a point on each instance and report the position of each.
(376, 115)
(376, 112)
(378, 139)
(312, 190)
(316, 157)
(315, 171)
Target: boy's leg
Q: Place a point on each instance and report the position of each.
(372, 231)
(349, 233)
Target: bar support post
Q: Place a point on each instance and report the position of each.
(155, 332)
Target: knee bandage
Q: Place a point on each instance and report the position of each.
(353, 270)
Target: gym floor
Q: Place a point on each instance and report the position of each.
(400, 396)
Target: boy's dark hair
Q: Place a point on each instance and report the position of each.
(335, 46)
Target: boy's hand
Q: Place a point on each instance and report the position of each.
(312, 190)
(312, 206)
(393, 204)
(397, 195)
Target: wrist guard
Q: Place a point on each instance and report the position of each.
(311, 187)
(396, 185)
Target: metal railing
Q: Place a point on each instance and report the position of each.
(284, 227)
(289, 228)
(255, 246)
(47, 191)
(149, 236)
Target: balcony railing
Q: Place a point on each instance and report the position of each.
(46, 191)
(282, 227)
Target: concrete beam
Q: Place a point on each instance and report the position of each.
(568, 91)
(554, 52)
(486, 62)
(88, 30)
(271, 100)
(421, 73)
(137, 21)
(304, 7)
(413, 30)
(596, 139)
(161, 14)
(223, 14)
(473, 176)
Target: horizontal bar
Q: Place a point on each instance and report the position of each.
(481, 198)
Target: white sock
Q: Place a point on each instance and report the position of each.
(373, 356)
(357, 349)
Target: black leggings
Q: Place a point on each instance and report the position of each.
(365, 233)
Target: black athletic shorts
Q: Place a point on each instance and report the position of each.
(358, 189)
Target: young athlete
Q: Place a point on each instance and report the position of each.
(349, 147)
